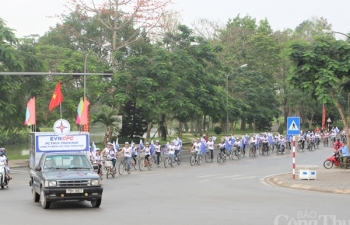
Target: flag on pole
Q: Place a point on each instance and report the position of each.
(84, 115)
(116, 145)
(79, 111)
(93, 147)
(57, 97)
(323, 117)
(140, 145)
(165, 147)
(179, 141)
(203, 145)
(30, 113)
(152, 147)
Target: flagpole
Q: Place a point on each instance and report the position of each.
(61, 110)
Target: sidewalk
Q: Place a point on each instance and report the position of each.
(15, 163)
(333, 180)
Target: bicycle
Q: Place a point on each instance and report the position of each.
(143, 163)
(195, 158)
(325, 141)
(252, 151)
(265, 149)
(236, 152)
(110, 170)
(208, 156)
(300, 147)
(343, 138)
(310, 145)
(221, 157)
(123, 167)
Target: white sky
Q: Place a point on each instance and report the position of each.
(30, 16)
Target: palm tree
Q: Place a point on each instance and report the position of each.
(109, 117)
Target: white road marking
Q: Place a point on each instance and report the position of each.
(229, 176)
(203, 181)
(242, 178)
(209, 176)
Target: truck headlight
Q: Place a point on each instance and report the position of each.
(52, 183)
(94, 183)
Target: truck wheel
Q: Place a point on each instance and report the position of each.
(44, 204)
(36, 196)
(96, 203)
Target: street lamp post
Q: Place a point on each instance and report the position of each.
(244, 65)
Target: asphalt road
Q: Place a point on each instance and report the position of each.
(229, 193)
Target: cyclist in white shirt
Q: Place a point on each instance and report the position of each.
(127, 154)
(171, 151)
(147, 150)
(197, 147)
(302, 140)
(157, 148)
(221, 146)
(210, 146)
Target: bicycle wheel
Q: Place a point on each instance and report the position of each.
(199, 159)
(192, 160)
(150, 163)
(141, 163)
(218, 158)
(299, 148)
(207, 157)
(251, 152)
(166, 162)
(108, 172)
(178, 161)
(121, 167)
(135, 164)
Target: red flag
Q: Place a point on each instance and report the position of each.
(84, 116)
(30, 113)
(323, 118)
(57, 97)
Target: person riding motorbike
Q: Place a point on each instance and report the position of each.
(3, 160)
(337, 145)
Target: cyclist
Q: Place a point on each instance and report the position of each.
(333, 135)
(157, 150)
(171, 151)
(112, 155)
(147, 150)
(302, 140)
(197, 147)
(177, 148)
(221, 146)
(282, 143)
(134, 152)
(265, 143)
(127, 154)
(210, 146)
(317, 138)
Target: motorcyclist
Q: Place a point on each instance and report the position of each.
(337, 145)
(344, 155)
(3, 160)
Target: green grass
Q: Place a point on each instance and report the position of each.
(14, 157)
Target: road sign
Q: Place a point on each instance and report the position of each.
(293, 125)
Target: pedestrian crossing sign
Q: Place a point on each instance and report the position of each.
(293, 125)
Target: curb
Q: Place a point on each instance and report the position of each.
(275, 181)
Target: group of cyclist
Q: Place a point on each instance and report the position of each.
(226, 145)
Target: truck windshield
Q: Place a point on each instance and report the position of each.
(66, 162)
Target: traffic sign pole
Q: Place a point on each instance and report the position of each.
(293, 164)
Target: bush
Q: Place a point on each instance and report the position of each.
(217, 130)
(280, 129)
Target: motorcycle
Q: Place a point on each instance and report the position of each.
(334, 160)
(3, 179)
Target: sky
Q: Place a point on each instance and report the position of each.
(31, 16)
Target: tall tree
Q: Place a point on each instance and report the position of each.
(321, 68)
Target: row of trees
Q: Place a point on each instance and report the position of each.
(165, 70)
